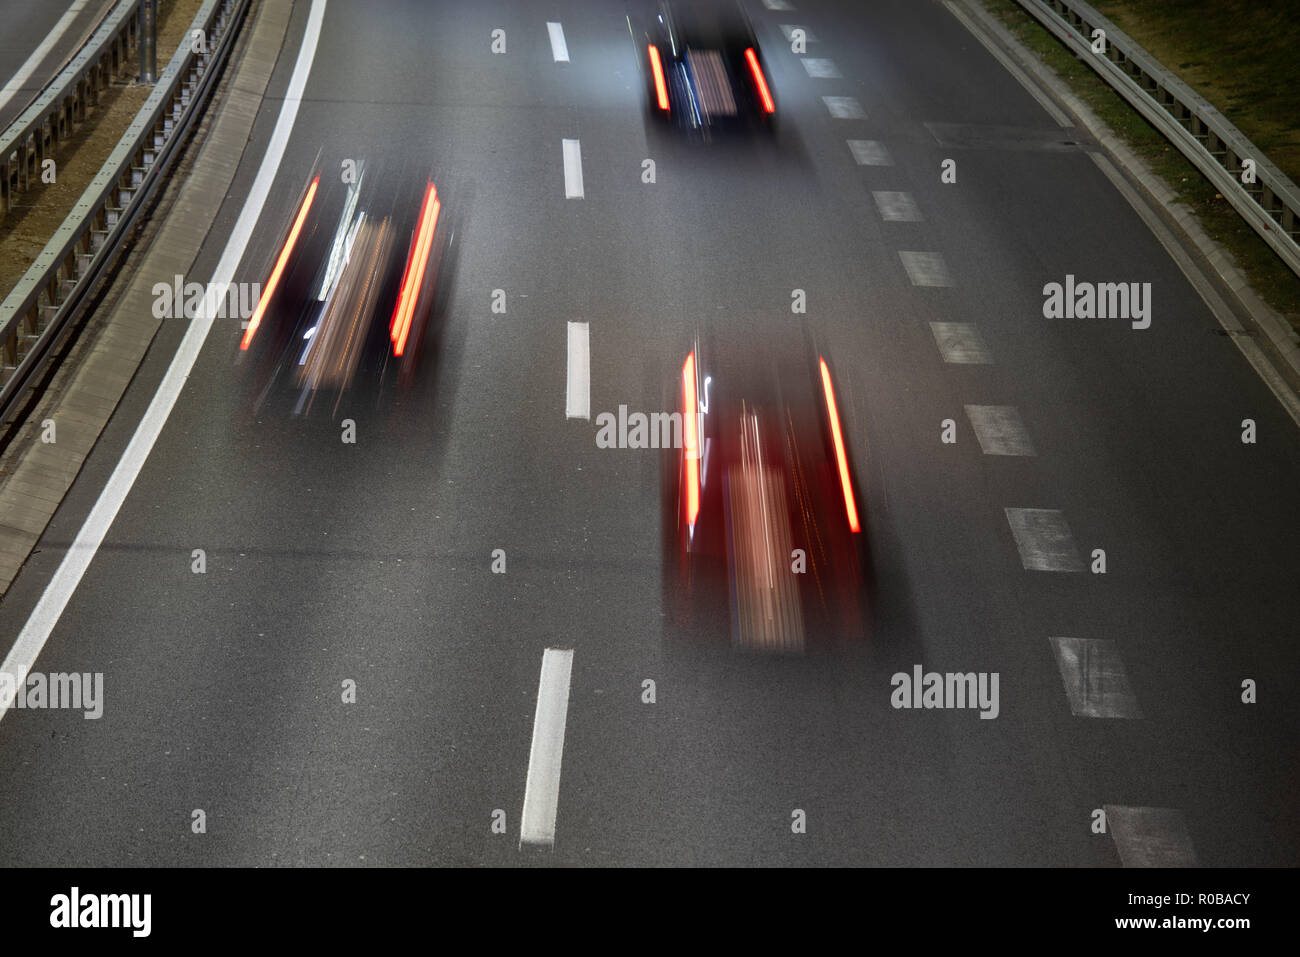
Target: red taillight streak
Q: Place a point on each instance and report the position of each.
(661, 88)
(269, 290)
(690, 409)
(408, 270)
(752, 59)
(400, 328)
(841, 459)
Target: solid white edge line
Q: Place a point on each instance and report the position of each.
(572, 169)
(559, 49)
(577, 391)
(55, 599)
(40, 53)
(546, 754)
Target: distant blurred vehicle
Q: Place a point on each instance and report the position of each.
(702, 67)
(764, 526)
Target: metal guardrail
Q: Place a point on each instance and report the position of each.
(40, 305)
(58, 109)
(1271, 204)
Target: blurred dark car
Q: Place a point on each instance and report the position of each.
(764, 528)
(702, 67)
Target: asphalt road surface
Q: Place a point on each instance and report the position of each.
(372, 562)
(36, 38)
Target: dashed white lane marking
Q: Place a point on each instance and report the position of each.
(573, 169)
(844, 108)
(961, 343)
(542, 790)
(1094, 678)
(40, 53)
(1044, 540)
(778, 4)
(559, 49)
(1150, 836)
(926, 269)
(821, 69)
(577, 392)
(999, 430)
(82, 552)
(789, 28)
(1011, 67)
(897, 207)
(870, 153)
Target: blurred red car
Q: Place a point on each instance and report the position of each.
(764, 526)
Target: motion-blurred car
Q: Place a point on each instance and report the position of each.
(355, 290)
(764, 526)
(702, 67)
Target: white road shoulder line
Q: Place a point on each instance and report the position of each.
(577, 391)
(1150, 836)
(1094, 678)
(70, 571)
(1043, 538)
(542, 789)
(572, 169)
(40, 53)
(559, 49)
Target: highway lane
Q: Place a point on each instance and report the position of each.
(38, 37)
(327, 561)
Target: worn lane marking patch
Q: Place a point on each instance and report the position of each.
(820, 68)
(778, 4)
(961, 343)
(572, 169)
(1150, 836)
(1094, 678)
(789, 28)
(999, 430)
(559, 49)
(1044, 540)
(844, 108)
(542, 790)
(870, 153)
(897, 207)
(926, 269)
(577, 392)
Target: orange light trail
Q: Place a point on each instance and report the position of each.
(269, 290)
(417, 262)
(690, 410)
(840, 457)
(661, 88)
